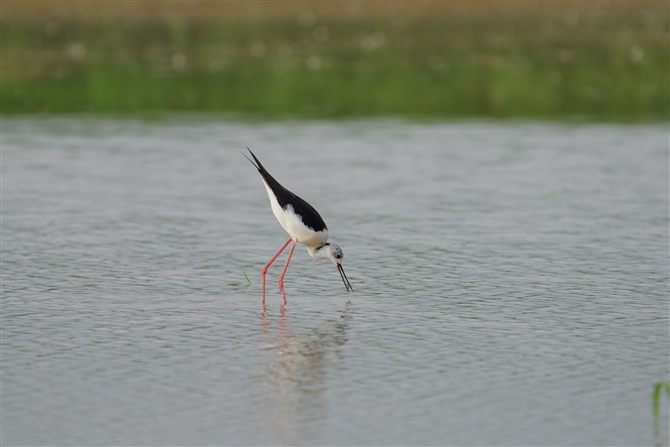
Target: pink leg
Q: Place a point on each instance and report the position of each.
(265, 267)
(283, 272)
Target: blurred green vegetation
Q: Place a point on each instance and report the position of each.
(656, 409)
(610, 65)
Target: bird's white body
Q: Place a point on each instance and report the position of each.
(294, 225)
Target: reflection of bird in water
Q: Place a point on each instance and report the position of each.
(295, 377)
(302, 222)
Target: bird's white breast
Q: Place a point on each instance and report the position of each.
(293, 224)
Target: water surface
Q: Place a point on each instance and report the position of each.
(511, 283)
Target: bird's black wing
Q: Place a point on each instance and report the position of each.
(310, 217)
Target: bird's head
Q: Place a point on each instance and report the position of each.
(335, 254)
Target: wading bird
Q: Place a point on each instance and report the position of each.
(302, 222)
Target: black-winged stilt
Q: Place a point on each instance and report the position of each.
(302, 222)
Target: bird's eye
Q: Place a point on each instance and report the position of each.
(338, 256)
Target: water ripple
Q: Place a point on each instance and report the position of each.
(511, 283)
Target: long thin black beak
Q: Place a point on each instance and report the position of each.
(345, 280)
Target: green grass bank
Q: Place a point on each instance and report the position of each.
(600, 64)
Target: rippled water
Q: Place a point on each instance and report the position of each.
(511, 283)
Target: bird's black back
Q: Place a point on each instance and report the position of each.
(310, 217)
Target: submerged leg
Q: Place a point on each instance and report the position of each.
(265, 267)
(283, 272)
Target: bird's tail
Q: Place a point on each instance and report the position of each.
(258, 164)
